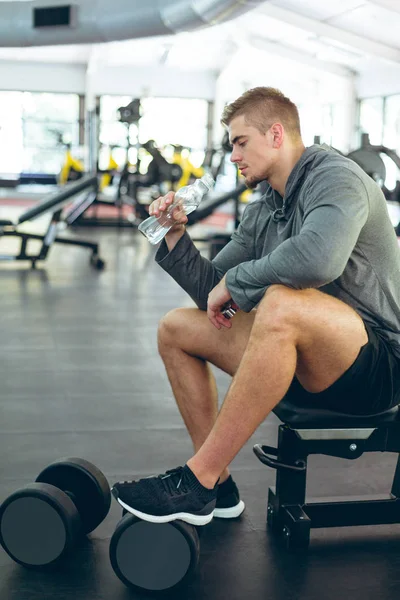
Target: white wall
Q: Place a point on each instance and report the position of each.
(118, 80)
(42, 77)
(152, 81)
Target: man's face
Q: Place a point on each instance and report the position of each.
(252, 151)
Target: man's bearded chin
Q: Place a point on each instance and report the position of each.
(252, 182)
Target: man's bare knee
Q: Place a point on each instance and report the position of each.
(190, 330)
(172, 327)
(277, 309)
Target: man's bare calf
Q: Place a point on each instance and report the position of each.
(187, 343)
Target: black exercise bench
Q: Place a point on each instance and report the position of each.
(84, 191)
(306, 431)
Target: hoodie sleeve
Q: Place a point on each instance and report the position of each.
(335, 210)
(196, 274)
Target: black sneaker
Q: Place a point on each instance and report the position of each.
(176, 494)
(229, 505)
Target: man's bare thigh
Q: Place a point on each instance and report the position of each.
(191, 330)
(329, 334)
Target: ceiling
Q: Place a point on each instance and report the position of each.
(343, 37)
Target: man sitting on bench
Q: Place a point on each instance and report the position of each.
(314, 269)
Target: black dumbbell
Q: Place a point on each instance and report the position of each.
(41, 522)
(154, 557)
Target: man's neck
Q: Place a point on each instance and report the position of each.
(287, 162)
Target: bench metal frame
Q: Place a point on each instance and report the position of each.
(289, 516)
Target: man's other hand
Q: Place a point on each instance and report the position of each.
(218, 298)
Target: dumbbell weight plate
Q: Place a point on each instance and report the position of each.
(85, 484)
(154, 556)
(38, 525)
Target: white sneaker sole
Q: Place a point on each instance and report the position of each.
(187, 517)
(229, 513)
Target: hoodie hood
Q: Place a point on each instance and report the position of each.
(311, 157)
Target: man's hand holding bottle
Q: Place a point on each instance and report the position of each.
(160, 206)
(162, 222)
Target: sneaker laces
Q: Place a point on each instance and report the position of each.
(168, 480)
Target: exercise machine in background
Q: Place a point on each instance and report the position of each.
(72, 168)
(181, 157)
(136, 184)
(371, 158)
(109, 210)
(66, 206)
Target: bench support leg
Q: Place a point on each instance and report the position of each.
(285, 515)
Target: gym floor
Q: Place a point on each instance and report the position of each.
(81, 376)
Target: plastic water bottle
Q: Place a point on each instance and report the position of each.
(188, 197)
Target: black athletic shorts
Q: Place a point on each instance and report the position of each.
(370, 386)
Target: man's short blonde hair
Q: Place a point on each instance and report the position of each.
(262, 107)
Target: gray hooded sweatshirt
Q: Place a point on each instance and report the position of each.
(330, 231)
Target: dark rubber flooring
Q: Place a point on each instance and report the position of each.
(80, 376)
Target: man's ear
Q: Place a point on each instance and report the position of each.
(277, 134)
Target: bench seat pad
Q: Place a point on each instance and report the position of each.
(315, 418)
